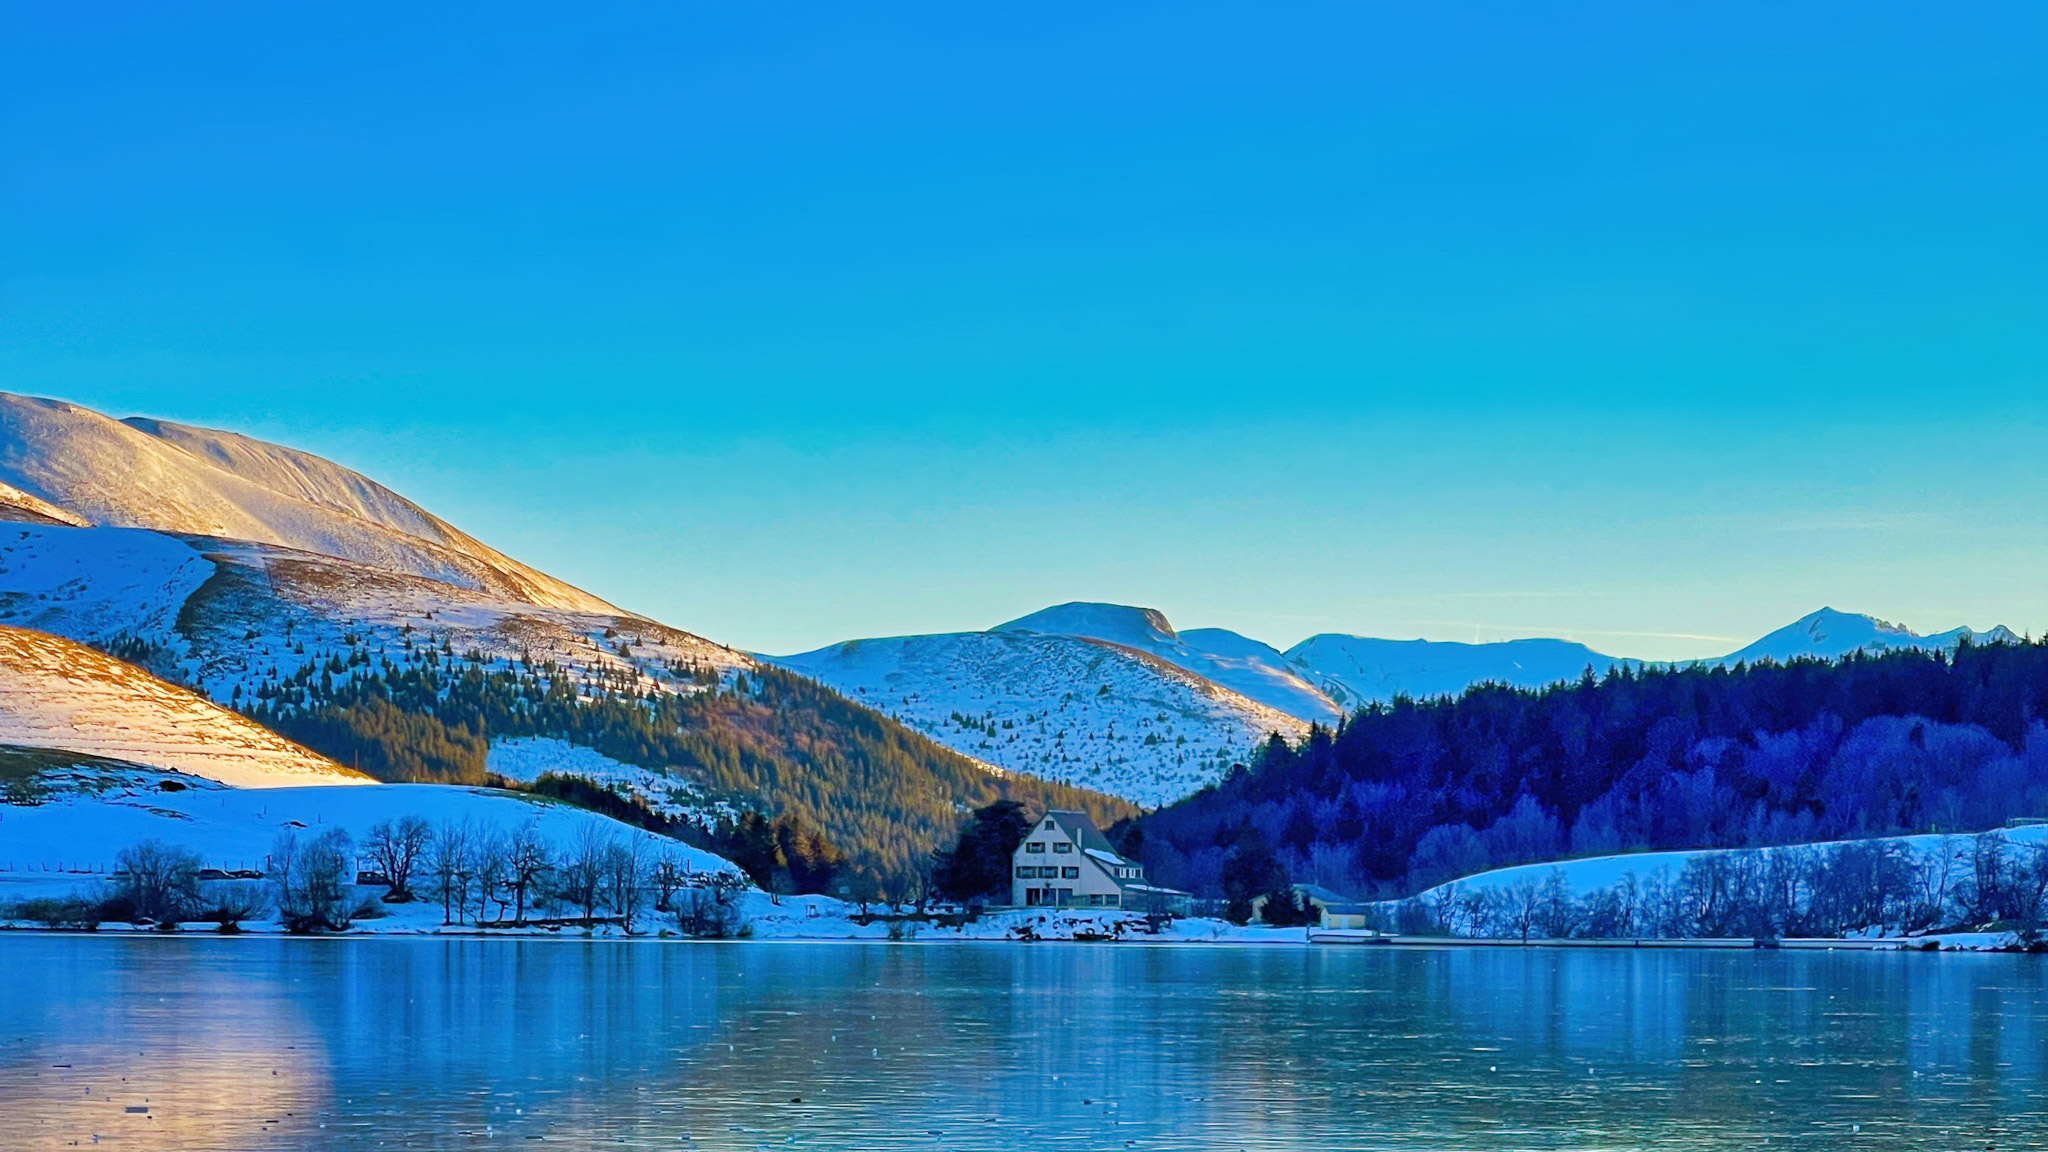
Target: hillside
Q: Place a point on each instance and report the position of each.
(1411, 793)
(55, 694)
(333, 610)
(60, 461)
(1240, 664)
(1359, 670)
(1086, 711)
(415, 680)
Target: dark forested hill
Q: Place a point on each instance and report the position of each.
(1411, 793)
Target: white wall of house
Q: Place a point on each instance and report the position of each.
(1050, 867)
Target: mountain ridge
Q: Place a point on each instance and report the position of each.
(63, 460)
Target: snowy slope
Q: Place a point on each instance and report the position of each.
(228, 616)
(526, 759)
(60, 695)
(96, 584)
(1358, 670)
(1108, 716)
(233, 828)
(1827, 634)
(1594, 873)
(1245, 666)
(62, 461)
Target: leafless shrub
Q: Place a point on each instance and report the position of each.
(161, 880)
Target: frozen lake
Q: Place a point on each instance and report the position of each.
(420, 1043)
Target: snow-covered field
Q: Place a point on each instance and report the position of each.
(72, 838)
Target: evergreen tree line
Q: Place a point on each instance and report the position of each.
(837, 786)
(1408, 794)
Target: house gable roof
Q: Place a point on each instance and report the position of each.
(1083, 832)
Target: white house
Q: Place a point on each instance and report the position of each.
(1066, 862)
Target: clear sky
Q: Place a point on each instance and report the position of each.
(793, 323)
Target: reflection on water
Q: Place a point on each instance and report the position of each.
(346, 1044)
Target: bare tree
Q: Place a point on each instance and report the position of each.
(228, 903)
(625, 879)
(161, 880)
(668, 875)
(448, 860)
(314, 889)
(527, 860)
(1559, 915)
(394, 847)
(1524, 906)
(491, 870)
(711, 910)
(583, 871)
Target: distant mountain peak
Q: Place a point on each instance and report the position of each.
(1819, 623)
(1830, 633)
(1116, 623)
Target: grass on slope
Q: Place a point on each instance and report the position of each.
(22, 770)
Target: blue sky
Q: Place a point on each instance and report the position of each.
(793, 323)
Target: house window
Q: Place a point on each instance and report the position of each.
(1051, 824)
(1063, 846)
(1095, 899)
(1035, 846)
(1070, 873)
(1112, 900)
(1026, 872)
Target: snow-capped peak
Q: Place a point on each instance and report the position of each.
(1830, 633)
(66, 463)
(1116, 623)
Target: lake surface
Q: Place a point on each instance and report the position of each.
(241, 1044)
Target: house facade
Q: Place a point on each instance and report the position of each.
(1066, 862)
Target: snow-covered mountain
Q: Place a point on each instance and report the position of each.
(62, 696)
(1828, 634)
(1112, 697)
(1247, 667)
(1108, 711)
(1359, 670)
(279, 584)
(60, 462)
